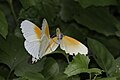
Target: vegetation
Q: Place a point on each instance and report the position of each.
(96, 23)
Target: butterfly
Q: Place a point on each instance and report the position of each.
(68, 44)
(36, 40)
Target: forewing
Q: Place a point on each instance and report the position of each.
(45, 38)
(30, 31)
(45, 29)
(72, 46)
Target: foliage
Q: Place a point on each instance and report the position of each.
(96, 23)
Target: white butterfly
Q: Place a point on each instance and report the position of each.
(36, 40)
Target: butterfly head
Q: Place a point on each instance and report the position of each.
(59, 34)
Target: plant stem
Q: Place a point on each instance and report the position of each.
(95, 77)
(90, 76)
(12, 10)
(9, 75)
(67, 57)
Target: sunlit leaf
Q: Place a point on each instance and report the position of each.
(87, 3)
(102, 56)
(3, 25)
(80, 65)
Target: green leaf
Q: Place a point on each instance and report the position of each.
(33, 76)
(25, 67)
(15, 56)
(117, 23)
(13, 51)
(97, 19)
(94, 70)
(76, 77)
(49, 9)
(116, 73)
(2, 78)
(109, 78)
(87, 3)
(79, 65)
(20, 78)
(3, 25)
(28, 3)
(67, 10)
(59, 76)
(102, 56)
(51, 69)
(112, 43)
(4, 70)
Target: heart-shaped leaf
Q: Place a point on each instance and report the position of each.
(102, 56)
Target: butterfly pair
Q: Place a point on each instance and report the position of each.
(38, 42)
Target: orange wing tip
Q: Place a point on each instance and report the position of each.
(45, 28)
(44, 23)
(37, 32)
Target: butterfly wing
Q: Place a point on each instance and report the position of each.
(30, 31)
(32, 34)
(45, 38)
(72, 46)
(48, 44)
(52, 45)
(33, 49)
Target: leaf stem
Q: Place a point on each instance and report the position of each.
(67, 56)
(12, 10)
